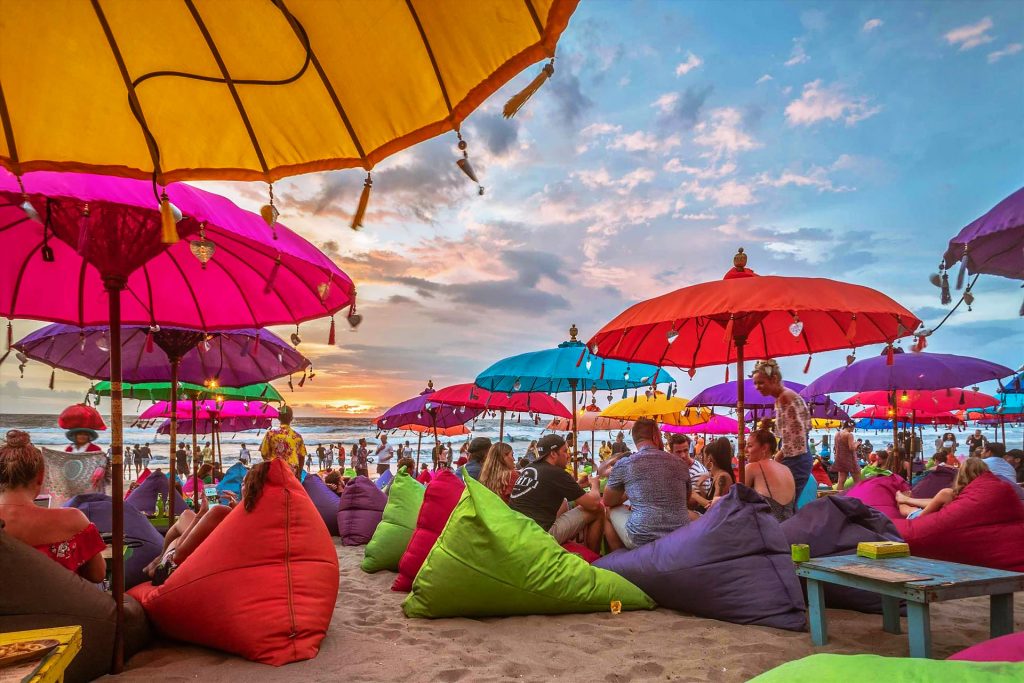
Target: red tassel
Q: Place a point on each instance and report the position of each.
(602, 370)
(330, 335)
(890, 356)
(53, 374)
(256, 343)
(149, 342)
(302, 381)
(851, 332)
(727, 370)
(921, 345)
(807, 366)
(580, 359)
(728, 332)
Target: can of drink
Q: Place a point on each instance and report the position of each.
(801, 552)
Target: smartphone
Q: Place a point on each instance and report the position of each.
(211, 494)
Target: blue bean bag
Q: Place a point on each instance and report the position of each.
(360, 510)
(933, 482)
(810, 493)
(732, 564)
(385, 479)
(325, 500)
(98, 508)
(232, 480)
(143, 498)
(834, 525)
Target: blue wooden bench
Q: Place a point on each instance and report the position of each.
(947, 581)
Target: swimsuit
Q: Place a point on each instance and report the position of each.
(779, 511)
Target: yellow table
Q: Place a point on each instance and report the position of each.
(51, 668)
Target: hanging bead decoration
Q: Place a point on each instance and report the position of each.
(270, 213)
(364, 200)
(170, 215)
(464, 164)
(354, 319)
(47, 251)
(26, 205)
(202, 248)
(296, 340)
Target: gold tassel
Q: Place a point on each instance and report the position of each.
(364, 199)
(168, 226)
(851, 333)
(516, 102)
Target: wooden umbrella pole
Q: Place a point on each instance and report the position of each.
(419, 445)
(741, 442)
(895, 431)
(171, 471)
(195, 458)
(575, 431)
(501, 426)
(1002, 422)
(114, 287)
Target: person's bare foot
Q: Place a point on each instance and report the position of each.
(902, 497)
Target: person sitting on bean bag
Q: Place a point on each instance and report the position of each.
(498, 473)
(191, 528)
(65, 535)
(334, 481)
(763, 471)
(911, 508)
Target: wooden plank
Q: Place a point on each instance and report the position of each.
(1001, 615)
(890, 614)
(881, 573)
(816, 612)
(919, 629)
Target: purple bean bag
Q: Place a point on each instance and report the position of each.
(143, 498)
(359, 511)
(98, 508)
(732, 564)
(933, 482)
(325, 500)
(834, 525)
(880, 493)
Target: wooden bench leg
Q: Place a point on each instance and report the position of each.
(816, 609)
(919, 629)
(891, 614)
(1001, 615)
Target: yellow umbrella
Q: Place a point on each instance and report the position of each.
(248, 90)
(670, 411)
(822, 423)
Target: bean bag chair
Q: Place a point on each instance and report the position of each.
(810, 493)
(820, 474)
(583, 551)
(68, 474)
(819, 668)
(143, 498)
(880, 493)
(384, 480)
(262, 586)
(492, 561)
(440, 498)
(138, 481)
(392, 536)
(933, 482)
(325, 500)
(1008, 648)
(983, 525)
(36, 592)
(732, 564)
(359, 511)
(232, 480)
(99, 508)
(189, 486)
(834, 525)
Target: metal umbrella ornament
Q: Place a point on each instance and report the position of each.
(97, 241)
(746, 316)
(570, 367)
(424, 411)
(472, 396)
(261, 94)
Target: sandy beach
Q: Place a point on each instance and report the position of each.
(371, 640)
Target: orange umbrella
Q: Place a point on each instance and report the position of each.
(457, 430)
(589, 421)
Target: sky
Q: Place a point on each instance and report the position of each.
(847, 140)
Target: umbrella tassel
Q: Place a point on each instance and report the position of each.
(602, 370)
(920, 345)
(807, 365)
(962, 273)
(168, 226)
(256, 345)
(149, 342)
(53, 375)
(625, 393)
(890, 355)
(580, 359)
(273, 275)
(726, 373)
(330, 335)
(364, 199)
(945, 297)
(302, 382)
(516, 102)
(851, 332)
(290, 386)
(728, 331)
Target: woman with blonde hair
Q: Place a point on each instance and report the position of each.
(498, 472)
(912, 508)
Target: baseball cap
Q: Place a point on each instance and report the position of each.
(546, 445)
(479, 444)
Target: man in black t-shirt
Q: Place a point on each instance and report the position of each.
(545, 485)
(620, 447)
(976, 442)
(181, 459)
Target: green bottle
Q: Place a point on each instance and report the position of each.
(160, 505)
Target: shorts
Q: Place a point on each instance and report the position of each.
(619, 516)
(569, 525)
(915, 513)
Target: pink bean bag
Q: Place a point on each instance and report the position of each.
(984, 526)
(880, 493)
(443, 492)
(360, 510)
(1003, 649)
(262, 586)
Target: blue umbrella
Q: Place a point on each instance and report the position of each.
(1015, 385)
(569, 367)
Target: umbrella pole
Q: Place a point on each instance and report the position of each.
(1002, 422)
(575, 432)
(741, 444)
(895, 432)
(114, 287)
(419, 444)
(195, 458)
(171, 471)
(501, 427)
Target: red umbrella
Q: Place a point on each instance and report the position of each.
(941, 400)
(883, 412)
(472, 396)
(746, 316)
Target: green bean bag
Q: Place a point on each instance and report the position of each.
(493, 561)
(819, 668)
(395, 529)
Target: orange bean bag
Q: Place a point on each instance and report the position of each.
(262, 586)
(983, 525)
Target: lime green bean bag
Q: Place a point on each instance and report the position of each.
(493, 561)
(819, 668)
(395, 529)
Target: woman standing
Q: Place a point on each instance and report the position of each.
(846, 457)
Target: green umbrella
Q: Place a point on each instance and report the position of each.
(161, 391)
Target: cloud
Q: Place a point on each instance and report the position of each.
(1011, 49)
(569, 101)
(764, 79)
(601, 178)
(820, 102)
(722, 133)
(871, 24)
(681, 110)
(692, 62)
(797, 56)
(728, 193)
(499, 134)
(698, 216)
(642, 141)
(816, 178)
(970, 36)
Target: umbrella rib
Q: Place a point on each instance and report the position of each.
(536, 19)
(255, 321)
(191, 291)
(433, 59)
(12, 148)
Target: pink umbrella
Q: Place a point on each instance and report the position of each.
(73, 243)
(472, 396)
(231, 424)
(208, 409)
(719, 424)
(938, 400)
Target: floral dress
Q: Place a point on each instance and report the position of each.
(77, 550)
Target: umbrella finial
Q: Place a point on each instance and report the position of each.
(573, 331)
(739, 261)
(430, 384)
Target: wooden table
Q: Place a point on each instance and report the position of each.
(51, 668)
(939, 581)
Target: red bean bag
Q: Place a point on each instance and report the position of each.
(983, 525)
(583, 551)
(880, 493)
(442, 494)
(1003, 649)
(820, 474)
(360, 509)
(262, 586)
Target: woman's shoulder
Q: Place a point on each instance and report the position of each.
(71, 520)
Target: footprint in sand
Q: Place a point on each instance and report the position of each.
(452, 675)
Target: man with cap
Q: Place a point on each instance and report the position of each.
(476, 453)
(544, 486)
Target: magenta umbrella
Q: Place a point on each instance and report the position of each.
(87, 250)
(718, 424)
(230, 424)
(208, 409)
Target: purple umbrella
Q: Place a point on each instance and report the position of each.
(718, 424)
(994, 243)
(725, 395)
(420, 410)
(227, 424)
(822, 407)
(232, 359)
